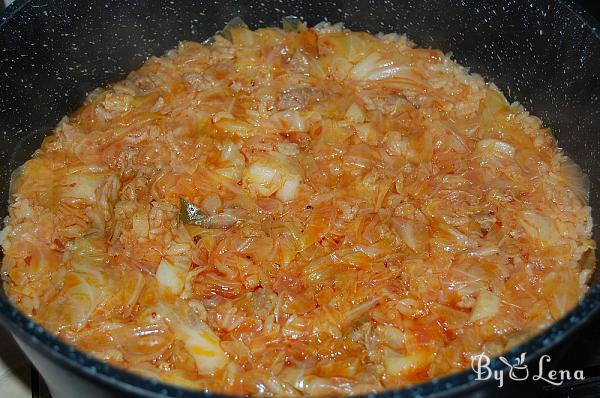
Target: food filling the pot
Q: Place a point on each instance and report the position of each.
(297, 211)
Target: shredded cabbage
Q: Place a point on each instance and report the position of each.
(297, 211)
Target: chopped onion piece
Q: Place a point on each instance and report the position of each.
(355, 114)
(171, 273)
(141, 224)
(492, 146)
(486, 306)
(289, 189)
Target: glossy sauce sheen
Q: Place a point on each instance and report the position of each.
(297, 212)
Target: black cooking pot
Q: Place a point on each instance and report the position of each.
(544, 53)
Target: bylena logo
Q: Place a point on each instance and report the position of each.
(519, 370)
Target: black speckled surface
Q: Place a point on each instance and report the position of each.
(543, 53)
